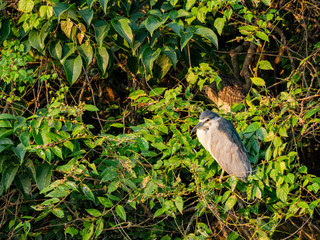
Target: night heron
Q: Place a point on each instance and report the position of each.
(221, 140)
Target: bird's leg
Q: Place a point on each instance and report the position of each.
(220, 179)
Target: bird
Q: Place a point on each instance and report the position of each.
(219, 137)
(231, 91)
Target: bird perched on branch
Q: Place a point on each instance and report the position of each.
(221, 140)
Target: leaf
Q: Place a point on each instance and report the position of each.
(94, 212)
(66, 27)
(87, 192)
(34, 40)
(106, 202)
(60, 8)
(104, 4)
(148, 58)
(101, 29)
(113, 186)
(20, 151)
(8, 176)
(87, 231)
(207, 33)
(311, 113)
(46, 12)
(26, 5)
(179, 203)
(230, 203)
(262, 36)
(55, 50)
(71, 230)
(90, 2)
(43, 175)
(121, 25)
(185, 39)
(169, 51)
(73, 68)
(102, 59)
(87, 14)
(282, 192)
(264, 65)
(91, 108)
(57, 151)
(152, 24)
(99, 228)
(219, 24)
(258, 81)
(86, 52)
(58, 212)
(4, 29)
(252, 127)
(121, 212)
(67, 50)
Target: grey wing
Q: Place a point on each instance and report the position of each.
(228, 150)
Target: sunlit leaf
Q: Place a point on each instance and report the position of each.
(121, 212)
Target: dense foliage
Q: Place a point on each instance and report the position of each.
(97, 101)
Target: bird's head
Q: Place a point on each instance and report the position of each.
(204, 120)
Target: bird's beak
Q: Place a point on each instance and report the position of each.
(197, 126)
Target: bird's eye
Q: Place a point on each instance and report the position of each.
(207, 120)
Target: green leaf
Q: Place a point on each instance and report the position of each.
(60, 8)
(35, 41)
(86, 51)
(230, 203)
(87, 231)
(43, 175)
(87, 15)
(264, 65)
(159, 212)
(20, 151)
(106, 202)
(152, 24)
(57, 151)
(8, 176)
(99, 228)
(207, 33)
(58, 212)
(311, 113)
(55, 50)
(121, 212)
(101, 29)
(252, 127)
(219, 24)
(113, 186)
(71, 230)
(148, 58)
(67, 50)
(104, 4)
(87, 192)
(258, 81)
(169, 51)
(23, 182)
(73, 68)
(26, 5)
(94, 212)
(178, 201)
(102, 59)
(121, 25)
(185, 39)
(90, 2)
(262, 36)
(4, 29)
(46, 12)
(91, 108)
(282, 192)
